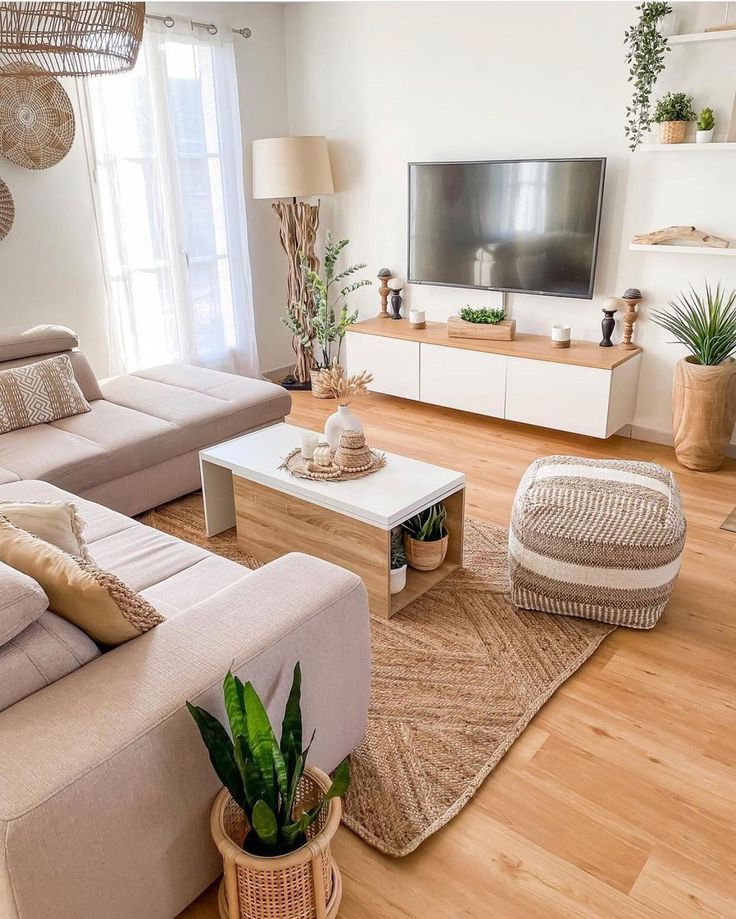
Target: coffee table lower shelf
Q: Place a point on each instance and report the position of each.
(271, 523)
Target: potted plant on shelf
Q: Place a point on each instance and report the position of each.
(425, 538)
(705, 127)
(330, 317)
(275, 818)
(398, 562)
(672, 113)
(344, 390)
(704, 389)
(646, 47)
(481, 323)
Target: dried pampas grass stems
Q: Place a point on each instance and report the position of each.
(346, 389)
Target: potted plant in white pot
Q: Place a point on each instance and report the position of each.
(704, 388)
(426, 538)
(705, 126)
(275, 818)
(672, 113)
(398, 562)
(325, 329)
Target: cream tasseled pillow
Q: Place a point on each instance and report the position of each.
(94, 600)
(38, 393)
(58, 522)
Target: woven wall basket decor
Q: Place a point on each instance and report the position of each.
(7, 210)
(36, 119)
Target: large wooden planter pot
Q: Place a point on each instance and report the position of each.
(704, 412)
(304, 884)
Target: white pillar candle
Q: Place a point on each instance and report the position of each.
(309, 442)
(395, 284)
(417, 315)
(560, 333)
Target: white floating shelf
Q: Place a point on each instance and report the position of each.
(691, 37)
(691, 147)
(681, 250)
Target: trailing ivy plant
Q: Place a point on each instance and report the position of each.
(646, 49)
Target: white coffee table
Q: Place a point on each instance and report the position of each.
(348, 523)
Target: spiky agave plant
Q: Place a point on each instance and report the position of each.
(705, 325)
(261, 774)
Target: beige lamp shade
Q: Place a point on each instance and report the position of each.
(291, 167)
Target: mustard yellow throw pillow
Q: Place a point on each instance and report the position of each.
(95, 601)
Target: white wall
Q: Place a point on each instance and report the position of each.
(389, 83)
(50, 269)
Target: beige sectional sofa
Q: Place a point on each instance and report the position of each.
(105, 786)
(139, 445)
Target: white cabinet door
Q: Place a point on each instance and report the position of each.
(394, 363)
(458, 378)
(560, 396)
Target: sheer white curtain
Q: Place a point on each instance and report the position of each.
(167, 163)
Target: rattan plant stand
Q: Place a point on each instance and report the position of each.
(304, 884)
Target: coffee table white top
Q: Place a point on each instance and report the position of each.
(384, 498)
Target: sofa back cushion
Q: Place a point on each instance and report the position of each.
(21, 341)
(22, 601)
(39, 393)
(94, 600)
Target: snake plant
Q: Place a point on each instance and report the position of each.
(427, 526)
(261, 774)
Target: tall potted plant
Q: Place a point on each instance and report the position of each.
(704, 389)
(645, 55)
(275, 818)
(672, 113)
(330, 314)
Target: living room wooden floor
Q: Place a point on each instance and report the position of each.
(619, 800)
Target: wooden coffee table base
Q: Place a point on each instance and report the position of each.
(271, 523)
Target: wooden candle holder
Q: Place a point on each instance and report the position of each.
(631, 298)
(384, 290)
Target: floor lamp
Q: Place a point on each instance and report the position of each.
(295, 167)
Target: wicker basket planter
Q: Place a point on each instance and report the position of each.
(320, 386)
(672, 132)
(425, 556)
(304, 884)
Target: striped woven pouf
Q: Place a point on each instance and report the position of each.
(601, 539)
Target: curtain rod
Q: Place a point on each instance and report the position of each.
(169, 22)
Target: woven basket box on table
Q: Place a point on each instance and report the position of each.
(600, 539)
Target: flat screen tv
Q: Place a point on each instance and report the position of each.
(524, 226)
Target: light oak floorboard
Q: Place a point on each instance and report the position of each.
(619, 800)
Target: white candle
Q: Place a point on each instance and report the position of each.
(395, 284)
(309, 442)
(417, 315)
(560, 333)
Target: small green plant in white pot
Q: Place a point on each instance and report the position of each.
(672, 113)
(705, 127)
(398, 562)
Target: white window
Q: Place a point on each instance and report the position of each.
(167, 166)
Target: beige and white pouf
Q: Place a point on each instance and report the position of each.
(601, 539)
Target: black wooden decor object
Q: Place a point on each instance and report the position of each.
(396, 304)
(608, 323)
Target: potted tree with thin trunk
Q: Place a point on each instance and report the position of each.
(704, 388)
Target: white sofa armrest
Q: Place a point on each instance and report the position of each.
(114, 742)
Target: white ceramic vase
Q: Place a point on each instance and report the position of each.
(398, 580)
(342, 420)
(704, 137)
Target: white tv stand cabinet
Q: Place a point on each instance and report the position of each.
(584, 389)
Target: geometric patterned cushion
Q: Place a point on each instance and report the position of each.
(38, 393)
(601, 539)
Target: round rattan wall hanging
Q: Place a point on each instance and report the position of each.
(36, 120)
(7, 210)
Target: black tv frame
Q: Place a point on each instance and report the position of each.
(511, 290)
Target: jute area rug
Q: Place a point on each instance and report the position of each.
(457, 676)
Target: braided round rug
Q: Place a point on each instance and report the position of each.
(36, 120)
(457, 676)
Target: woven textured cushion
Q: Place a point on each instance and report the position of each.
(39, 393)
(601, 539)
(94, 600)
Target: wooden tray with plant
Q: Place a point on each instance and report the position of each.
(490, 324)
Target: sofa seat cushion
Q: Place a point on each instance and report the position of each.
(45, 651)
(206, 405)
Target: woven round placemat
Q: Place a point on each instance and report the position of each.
(36, 120)
(7, 210)
(296, 465)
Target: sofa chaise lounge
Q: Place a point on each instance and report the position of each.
(138, 447)
(105, 787)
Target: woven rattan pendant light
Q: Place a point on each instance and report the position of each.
(70, 39)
